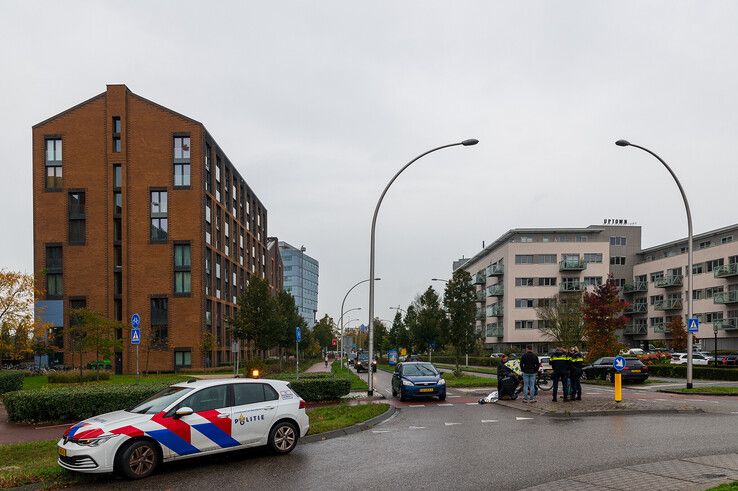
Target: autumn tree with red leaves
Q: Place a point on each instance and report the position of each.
(602, 313)
(678, 333)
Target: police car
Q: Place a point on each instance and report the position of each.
(186, 420)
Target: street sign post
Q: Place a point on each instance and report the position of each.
(236, 348)
(618, 364)
(298, 338)
(136, 339)
(392, 357)
(693, 324)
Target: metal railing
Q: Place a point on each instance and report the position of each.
(495, 270)
(572, 287)
(636, 308)
(668, 281)
(635, 329)
(725, 297)
(726, 271)
(480, 278)
(495, 310)
(572, 265)
(636, 286)
(729, 323)
(494, 331)
(668, 304)
(495, 290)
(661, 329)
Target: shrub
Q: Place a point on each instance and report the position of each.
(700, 372)
(255, 364)
(74, 403)
(10, 380)
(321, 389)
(73, 377)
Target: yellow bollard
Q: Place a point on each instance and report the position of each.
(618, 387)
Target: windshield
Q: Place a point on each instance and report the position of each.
(363, 356)
(159, 401)
(419, 370)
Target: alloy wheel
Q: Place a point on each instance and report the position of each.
(284, 438)
(142, 460)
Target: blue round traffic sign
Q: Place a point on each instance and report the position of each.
(135, 320)
(618, 363)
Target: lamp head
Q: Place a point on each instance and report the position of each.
(470, 142)
(622, 143)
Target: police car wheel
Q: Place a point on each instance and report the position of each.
(283, 437)
(138, 460)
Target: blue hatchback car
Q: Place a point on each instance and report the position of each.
(417, 379)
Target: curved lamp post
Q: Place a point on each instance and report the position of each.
(625, 143)
(342, 312)
(465, 143)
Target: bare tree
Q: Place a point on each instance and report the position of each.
(562, 319)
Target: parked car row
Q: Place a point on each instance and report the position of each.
(602, 368)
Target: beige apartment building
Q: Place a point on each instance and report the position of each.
(525, 268)
(658, 290)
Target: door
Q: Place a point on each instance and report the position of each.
(254, 408)
(118, 363)
(209, 426)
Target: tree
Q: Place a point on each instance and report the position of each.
(398, 336)
(411, 325)
(459, 301)
(17, 291)
(324, 331)
(678, 333)
(562, 319)
(380, 336)
(207, 345)
(602, 314)
(430, 321)
(90, 331)
(256, 316)
(287, 319)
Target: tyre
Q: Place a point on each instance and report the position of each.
(283, 437)
(138, 460)
(544, 383)
(402, 396)
(394, 392)
(442, 398)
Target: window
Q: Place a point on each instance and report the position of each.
(714, 264)
(117, 176)
(526, 239)
(159, 322)
(248, 394)
(117, 230)
(182, 359)
(593, 280)
(523, 259)
(77, 231)
(117, 203)
(181, 161)
(547, 281)
(217, 178)
(207, 399)
(592, 258)
(654, 299)
(182, 267)
(53, 163)
(710, 292)
(619, 282)
(116, 134)
(524, 281)
(208, 173)
(617, 241)
(617, 260)
(523, 324)
(726, 240)
(54, 285)
(545, 259)
(704, 244)
(658, 275)
(698, 294)
(524, 303)
(698, 268)
(159, 225)
(581, 238)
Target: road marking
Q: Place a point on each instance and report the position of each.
(416, 405)
(734, 412)
(416, 427)
(520, 418)
(380, 431)
(452, 397)
(592, 393)
(445, 404)
(662, 400)
(451, 424)
(489, 421)
(472, 403)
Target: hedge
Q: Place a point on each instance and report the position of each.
(73, 376)
(10, 380)
(699, 372)
(75, 403)
(321, 389)
(480, 361)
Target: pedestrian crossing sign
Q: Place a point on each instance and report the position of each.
(693, 325)
(135, 336)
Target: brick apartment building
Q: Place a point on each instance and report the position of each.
(138, 209)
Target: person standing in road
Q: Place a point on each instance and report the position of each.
(577, 360)
(529, 365)
(561, 369)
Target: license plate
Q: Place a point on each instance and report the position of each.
(636, 371)
(62, 451)
(426, 390)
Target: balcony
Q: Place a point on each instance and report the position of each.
(494, 331)
(661, 329)
(572, 287)
(668, 304)
(480, 278)
(494, 310)
(670, 281)
(481, 316)
(572, 264)
(724, 324)
(481, 296)
(636, 286)
(495, 270)
(495, 290)
(636, 308)
(726, 271)
(633, 329)
(725, 297)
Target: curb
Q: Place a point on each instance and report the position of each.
(350, 430)
(667, 391)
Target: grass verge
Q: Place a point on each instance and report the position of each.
(356, 382)
(329, 418)
(733, 486)
(708, 390)
(27, 463)
(468, 368)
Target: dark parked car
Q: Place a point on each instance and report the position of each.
(730, 360)
(634, 370)
(417, 379)
(361, 363)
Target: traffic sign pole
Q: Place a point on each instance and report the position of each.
(136, 339)
(298, 337)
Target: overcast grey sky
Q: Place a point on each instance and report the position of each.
(319, 103)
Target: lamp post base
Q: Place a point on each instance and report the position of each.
(689, 385)
(370, 392)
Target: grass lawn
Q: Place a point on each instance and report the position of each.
(733, 486)
(25, 463)
(469, 381)
(328, 418)
(36, 382)
(707, 390)
(468, 368)
(356, 382)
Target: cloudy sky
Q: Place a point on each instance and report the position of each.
(319, 103)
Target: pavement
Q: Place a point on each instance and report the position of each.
(14, 433)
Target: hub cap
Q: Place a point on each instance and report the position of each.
(142, 460)
(284, 438)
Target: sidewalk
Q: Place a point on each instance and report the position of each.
(600, 406)
(320, 368)
(694, 473)
(17, 433)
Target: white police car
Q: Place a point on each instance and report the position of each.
(186, 420)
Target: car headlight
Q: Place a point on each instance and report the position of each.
(441, 382)
(94, 442)
(374, 362)
(407, 383)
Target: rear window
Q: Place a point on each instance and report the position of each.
(632, 362)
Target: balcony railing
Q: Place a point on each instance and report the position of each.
(725, 297)
(494, 331)
(572, 264)
(729, 323)
(481, 296)
(480, 278)
(572, 287)
(635, 329)
(726, 271)
(495, 270)
(668, 304)
(481, 316)
(636, 308)
(661, 328)
(495, 291)
(636, 286)
(669, 281)
(495, 310)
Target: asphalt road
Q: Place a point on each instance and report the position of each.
(459, 446)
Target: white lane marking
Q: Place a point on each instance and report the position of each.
(472, 403)
(520, 418)
(452, 397)
(489, 421)
(592, 393)
(734, 412)
(445, 405)
(380, 431)
(416, 427)
(416, 405)
(662, 400)
(451, 424)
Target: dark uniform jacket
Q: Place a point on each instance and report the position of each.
(560, 363)
(577, 361)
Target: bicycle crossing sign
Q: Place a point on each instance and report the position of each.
(693, 325)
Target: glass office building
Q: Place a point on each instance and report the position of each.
(301, 280)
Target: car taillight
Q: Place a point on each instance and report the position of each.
(626, 367)
(644, 368)
(302, 404)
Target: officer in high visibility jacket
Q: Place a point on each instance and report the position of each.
(577, 361)
(561, 365)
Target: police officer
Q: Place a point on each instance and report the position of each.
(577, 361)
(561, 365)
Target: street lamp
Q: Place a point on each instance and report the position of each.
(343, 302)
(341, 323)
(399, 309)
(465, 143)
(625, 143)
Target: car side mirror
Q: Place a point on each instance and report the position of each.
(183, 411)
